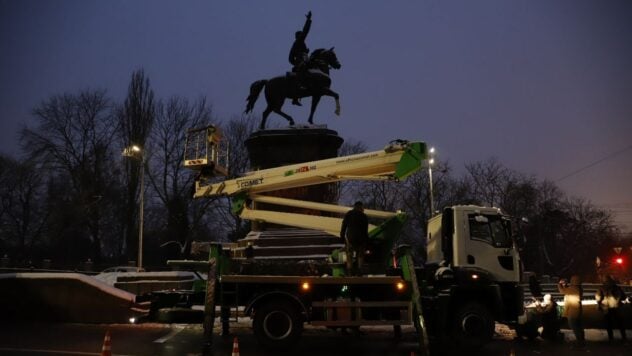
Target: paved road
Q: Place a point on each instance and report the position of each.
(167, 340)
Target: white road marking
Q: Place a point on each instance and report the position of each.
(173, 333)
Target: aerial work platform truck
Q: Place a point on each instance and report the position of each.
(469, 281)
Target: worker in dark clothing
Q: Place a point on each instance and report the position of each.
(299, 52)
(355, 227)
(547, 309)
(609, 298)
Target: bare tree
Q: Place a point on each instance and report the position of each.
(73, 139)
(520, 195)
(24, 216)
(5, 179)
(170, 181)
(488, 181)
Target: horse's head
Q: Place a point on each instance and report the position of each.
(326, 56)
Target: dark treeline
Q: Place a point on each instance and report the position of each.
(72, 196)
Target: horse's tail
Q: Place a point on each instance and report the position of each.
(255, 90)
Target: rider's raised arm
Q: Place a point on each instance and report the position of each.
(308, 24)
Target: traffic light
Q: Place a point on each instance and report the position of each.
(618, 261)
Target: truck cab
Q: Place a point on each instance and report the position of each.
(474, 237)
(472, 272)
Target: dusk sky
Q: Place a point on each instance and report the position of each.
(545, 86)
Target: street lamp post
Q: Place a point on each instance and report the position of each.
(137, 152)
(430, 163)
(141, 214)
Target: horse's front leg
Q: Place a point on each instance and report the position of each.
(335, 95)
(315, 101)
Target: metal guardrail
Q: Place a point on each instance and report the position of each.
(590, 289)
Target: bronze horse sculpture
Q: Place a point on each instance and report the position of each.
(314, 82)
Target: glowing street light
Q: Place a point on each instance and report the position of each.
(133, 151)
(136, 152)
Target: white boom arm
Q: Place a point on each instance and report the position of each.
(379, 165)
(396, 161)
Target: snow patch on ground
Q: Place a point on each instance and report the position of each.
(111, 278)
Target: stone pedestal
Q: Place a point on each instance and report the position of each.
(274, 148)
(279, 147)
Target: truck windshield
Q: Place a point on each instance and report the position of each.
(492, 230)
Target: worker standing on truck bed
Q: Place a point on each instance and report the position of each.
(355, 227)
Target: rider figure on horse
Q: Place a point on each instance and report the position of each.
(310, 78)
(299, 54)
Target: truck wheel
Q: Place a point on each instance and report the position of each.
(277, 325)
(473, 326)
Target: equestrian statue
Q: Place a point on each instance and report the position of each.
(309, 78)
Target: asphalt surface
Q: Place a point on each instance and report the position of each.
(175, 339)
